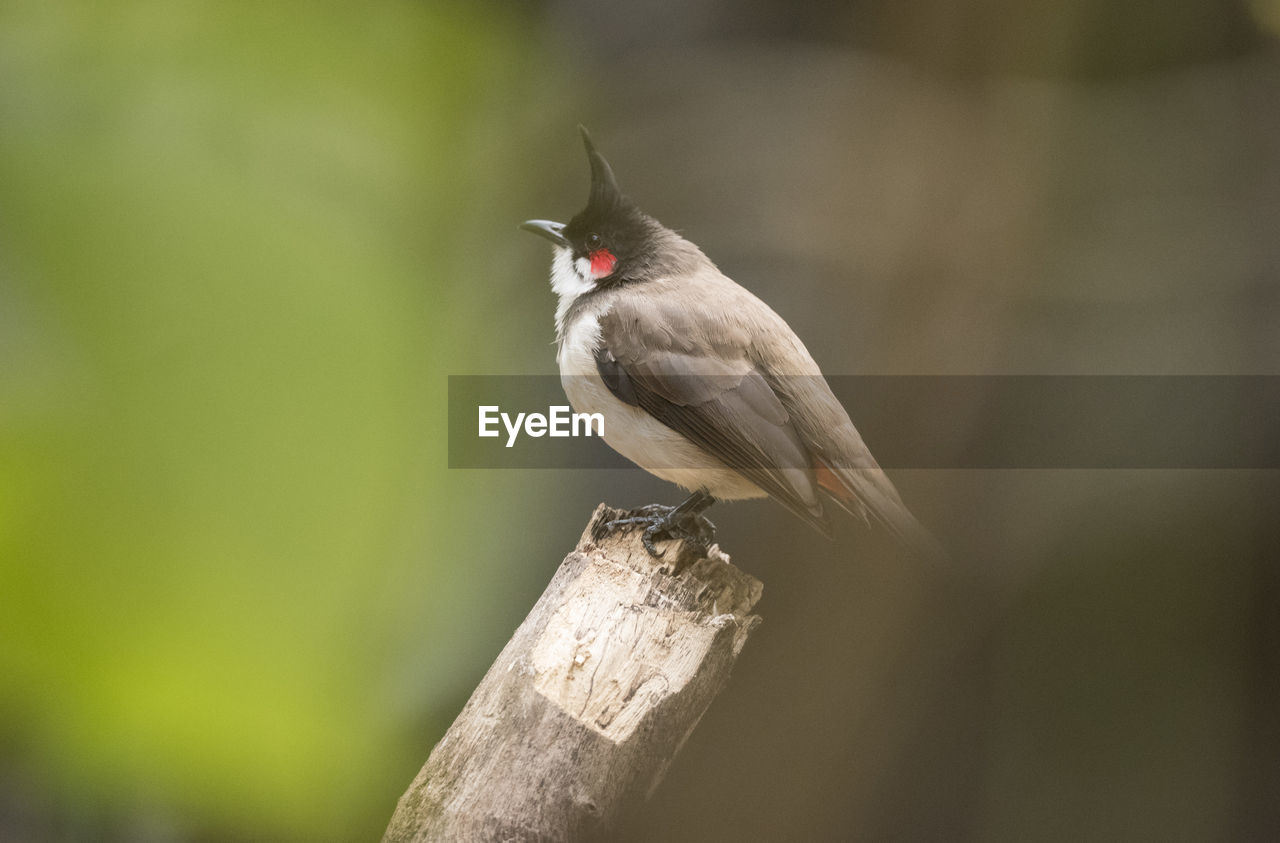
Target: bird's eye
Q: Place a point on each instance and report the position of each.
(593, 241)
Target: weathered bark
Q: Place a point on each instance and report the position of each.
(587, 705)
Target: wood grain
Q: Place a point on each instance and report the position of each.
(588, 704)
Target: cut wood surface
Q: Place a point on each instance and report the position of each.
(587, 705)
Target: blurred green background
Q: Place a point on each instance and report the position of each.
(243, 245)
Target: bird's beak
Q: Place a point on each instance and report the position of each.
(553, 231)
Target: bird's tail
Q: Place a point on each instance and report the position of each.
(869, 494)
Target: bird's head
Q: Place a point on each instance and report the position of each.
(608, 242)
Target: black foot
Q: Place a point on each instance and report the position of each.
(685, 521)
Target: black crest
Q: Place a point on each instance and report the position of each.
(605, 195)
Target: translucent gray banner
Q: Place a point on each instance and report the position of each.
(917, 421)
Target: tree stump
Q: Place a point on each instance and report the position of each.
(585, 708)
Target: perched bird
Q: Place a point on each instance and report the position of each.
(700, 382)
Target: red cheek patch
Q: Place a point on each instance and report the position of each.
(602, 262)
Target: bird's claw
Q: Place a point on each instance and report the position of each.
(662, 523)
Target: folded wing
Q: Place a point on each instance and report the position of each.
(722, 403)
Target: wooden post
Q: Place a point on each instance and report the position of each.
(587, 705)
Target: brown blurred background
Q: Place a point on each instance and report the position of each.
(242, 248)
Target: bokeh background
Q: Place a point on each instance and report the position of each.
(242, 246)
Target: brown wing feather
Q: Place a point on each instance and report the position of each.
(722, 405)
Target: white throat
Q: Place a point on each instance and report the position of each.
(569, 280)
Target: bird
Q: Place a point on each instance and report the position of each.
(699, 382)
